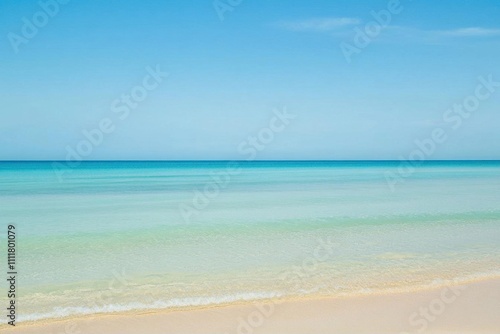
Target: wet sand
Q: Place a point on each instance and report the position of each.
(470, 308)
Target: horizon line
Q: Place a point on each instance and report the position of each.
(259, 160)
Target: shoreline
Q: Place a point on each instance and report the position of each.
(183, 316)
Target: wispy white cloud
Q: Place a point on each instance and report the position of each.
(405, 34)
(408, 34)
(318, 24)
(342, 25)
(470, 32)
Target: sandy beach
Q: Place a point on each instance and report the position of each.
(470, 308)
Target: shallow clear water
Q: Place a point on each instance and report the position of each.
(112, 236)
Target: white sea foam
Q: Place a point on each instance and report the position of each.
(61, 312)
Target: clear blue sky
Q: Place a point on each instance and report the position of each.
(226, 77)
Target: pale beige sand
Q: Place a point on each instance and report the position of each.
(472, 308)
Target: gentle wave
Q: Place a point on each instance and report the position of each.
(61, 312)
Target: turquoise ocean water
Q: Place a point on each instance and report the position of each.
(119, 236)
